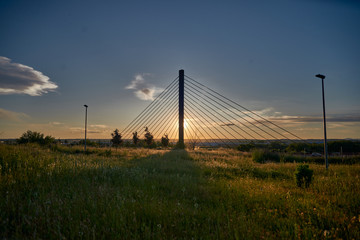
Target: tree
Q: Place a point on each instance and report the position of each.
(135, 138)
(116, 138)
(88, 143)
(149, 138)
(247, 147)
(165, 140)
(48, 140)
(35, 137)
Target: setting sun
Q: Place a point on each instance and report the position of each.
(186, 123)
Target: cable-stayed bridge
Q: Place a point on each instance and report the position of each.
(187, 111)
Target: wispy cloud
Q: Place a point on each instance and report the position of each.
(98, 126)
(12, 116)
(55, 123)
(94, 128)
(311, 119)
(142, 89)
(266, 112)
(81, 130)
(301, 123)
(271, 115)
(16, 78)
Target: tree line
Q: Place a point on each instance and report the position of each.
(148, 140)
(335, 146)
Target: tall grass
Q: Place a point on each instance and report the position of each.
(262, 156)
(163, 194)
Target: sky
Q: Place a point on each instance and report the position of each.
(56, 56)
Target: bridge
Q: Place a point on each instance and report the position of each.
(188, 112)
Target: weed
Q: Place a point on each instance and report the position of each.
(303, 175)
(262, 156)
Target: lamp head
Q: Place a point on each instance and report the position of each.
(320, 76)
(85, 105)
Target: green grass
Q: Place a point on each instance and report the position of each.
(55, 193)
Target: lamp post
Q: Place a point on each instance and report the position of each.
(86, 106)
(324, 117)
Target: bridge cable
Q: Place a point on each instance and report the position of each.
(151, 105)
(252, 124)
(157, 103)
(249, 117)
(213, 115)
(249, 111)
(219, 114)
(190, 107)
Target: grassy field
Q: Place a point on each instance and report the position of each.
(61, 193)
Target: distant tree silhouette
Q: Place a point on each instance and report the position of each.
(116, 138)
(35, 137)
(88, 143)
(149, 138)
(135, 138)
(165, 140)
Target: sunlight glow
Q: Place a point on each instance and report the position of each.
(186, 123)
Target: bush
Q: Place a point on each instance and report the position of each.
(303, 175)
(246, 147)
(116, 138)
(89, 143)
(165, 140)
(149, 138)
(294, 158)
(35, 137)
(261, 156)
(154, 144)
(135, 138)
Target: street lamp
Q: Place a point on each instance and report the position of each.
(324, 117)
(86, 106)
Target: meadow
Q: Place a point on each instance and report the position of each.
(138, 193)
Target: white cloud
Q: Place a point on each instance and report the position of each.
(94, 128)
(12, 116)
(136, 82)
(277, 117)
(98, 126)
(143, 90)
(266, 112)
(77, 129)
(56, 123)
(16, 78)
(310, 119)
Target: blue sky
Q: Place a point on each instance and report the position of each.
(261, 54)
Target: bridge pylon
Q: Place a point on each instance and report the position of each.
(181, 109)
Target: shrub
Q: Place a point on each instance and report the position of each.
(135, 138)
(89, 143)
(303, 175)
(165, 140)
(116, 138)
(294, 158)
(154, 144)
(35, 137)
(262, 156)
(246, 147)
(149, 138)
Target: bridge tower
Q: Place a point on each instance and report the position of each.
(181, 108)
